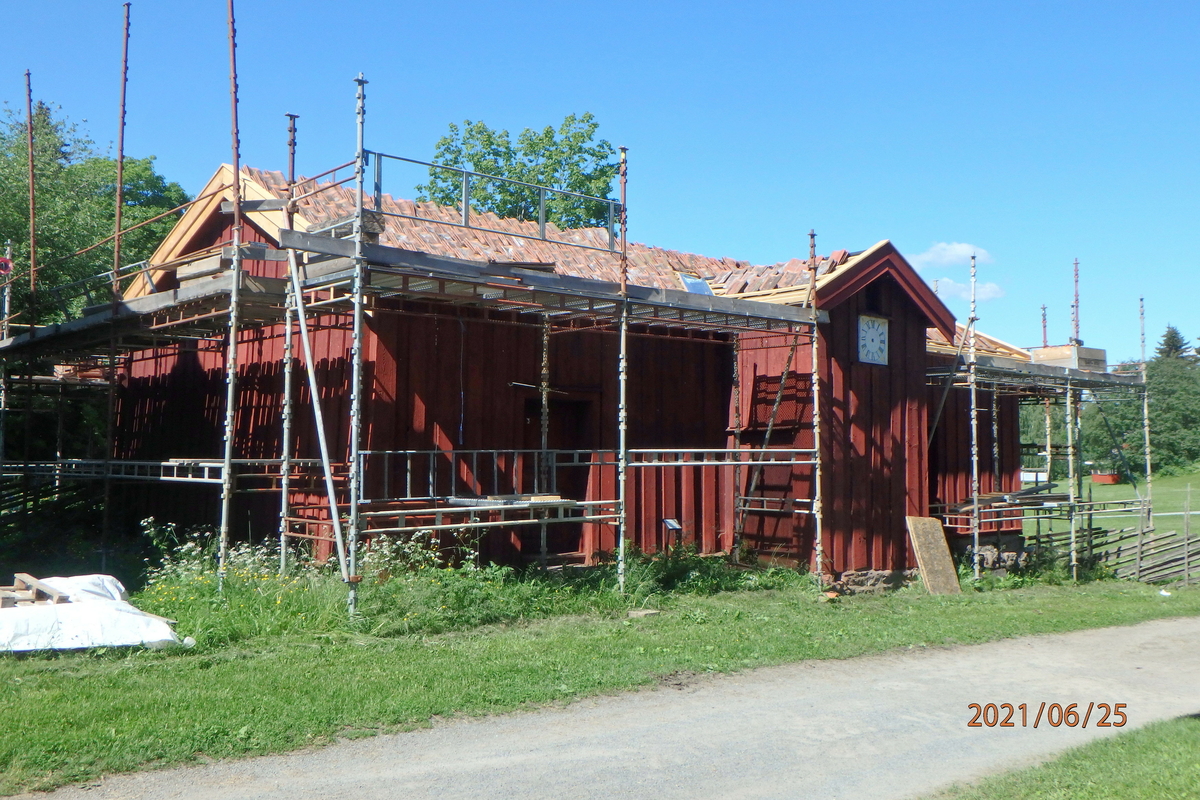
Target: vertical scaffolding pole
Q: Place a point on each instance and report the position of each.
(1072, 469)
(1146, 414)
(356, 348)
(31, 310)
(1049, 423)
(285, 460)
(735, 547)
(1148, 507)
(544, 469)
(110, 416)
(818, 506)
(5, 323)
(120, 187)
(544, 417)
(32, 206)
(314, 392)
(622, 380)
(235, 283)
(973, 383)
(1187, 536)
(58, 436)
(8, 279)
(996, 474)
(1075, 340)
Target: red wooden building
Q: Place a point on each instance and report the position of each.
(467, 329)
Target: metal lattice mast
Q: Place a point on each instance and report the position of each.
(356, 351)
(235, 282)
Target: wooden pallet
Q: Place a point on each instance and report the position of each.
(27, 591)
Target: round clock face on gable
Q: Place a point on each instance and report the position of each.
(873, 340)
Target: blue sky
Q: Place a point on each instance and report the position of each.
(1030, 133)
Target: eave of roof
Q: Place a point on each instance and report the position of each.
(839, 285)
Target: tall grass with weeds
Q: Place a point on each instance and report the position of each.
(416, 585)
(1043, 566)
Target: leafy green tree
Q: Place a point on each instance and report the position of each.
(76, 197)
(1173, 345)
(1173, 380)
(569, 159)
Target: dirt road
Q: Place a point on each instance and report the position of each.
(890, 726)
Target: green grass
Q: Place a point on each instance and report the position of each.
(397, 601)
(1169, 493)
(83, 714)
(1158, 762)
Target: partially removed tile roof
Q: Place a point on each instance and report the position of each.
(648, 266)
(437, 230)
(984, 345)
(775, 279)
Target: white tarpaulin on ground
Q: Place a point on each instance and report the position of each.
(99, 615)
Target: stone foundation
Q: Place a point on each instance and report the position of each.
(1011, 553)
(873, 581)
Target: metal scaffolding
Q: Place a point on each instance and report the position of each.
(1050, 386)
(340, 270)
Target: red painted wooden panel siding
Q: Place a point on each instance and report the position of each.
(874, 422)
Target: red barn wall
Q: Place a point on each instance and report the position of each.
(874, 422)
(950, 453)
(440, 378)
(444, 380)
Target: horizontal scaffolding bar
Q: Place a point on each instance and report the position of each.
(414, 275)
(1011, 373)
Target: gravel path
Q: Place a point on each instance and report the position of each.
(888, 726)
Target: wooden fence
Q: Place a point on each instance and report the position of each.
(1146, 555)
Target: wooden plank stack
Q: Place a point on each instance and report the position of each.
(27, 590)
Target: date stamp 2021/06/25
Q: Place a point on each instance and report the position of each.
(1008, 715)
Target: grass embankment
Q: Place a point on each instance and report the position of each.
(261, 680)
(1158, 762)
